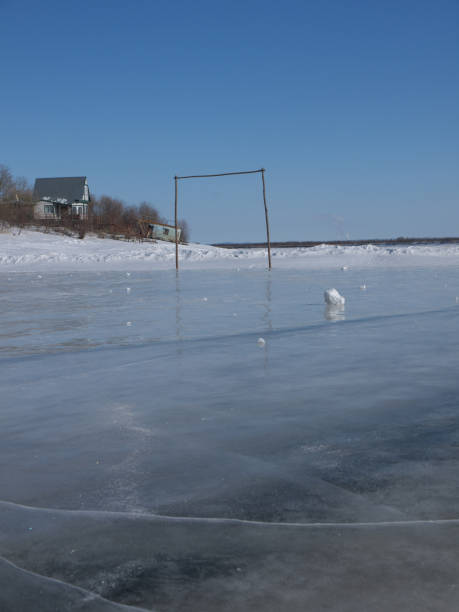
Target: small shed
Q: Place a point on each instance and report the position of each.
(162, 231)
(56, 198)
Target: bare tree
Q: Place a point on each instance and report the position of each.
(7, 185)
(22, 189)
(15, 199)
(185, 234)
(129, 218)
(108, 213)
(147, 211)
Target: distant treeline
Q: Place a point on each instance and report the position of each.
(381, 241)
(106, 214)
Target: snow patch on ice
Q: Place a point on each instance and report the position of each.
(333, 297)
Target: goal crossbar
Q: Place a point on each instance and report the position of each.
(260, 171)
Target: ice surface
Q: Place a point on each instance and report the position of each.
(174, 464)
(23, 591)
(185, 564)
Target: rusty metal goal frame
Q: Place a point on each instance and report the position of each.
(180, 178)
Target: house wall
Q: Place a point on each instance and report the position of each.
(86, 191)
(164, 233)
(39, 211)
(80, 209)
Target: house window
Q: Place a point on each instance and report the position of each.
(166, 231)
(49, 209)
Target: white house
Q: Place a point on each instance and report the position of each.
(56, 198)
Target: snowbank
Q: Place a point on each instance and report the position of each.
(22, 249)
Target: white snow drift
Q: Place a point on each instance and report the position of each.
(26, 248)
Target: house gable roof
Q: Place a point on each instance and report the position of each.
(64, 190)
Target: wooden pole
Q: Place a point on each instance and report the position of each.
(266, 217)
(220, 174)
(176, 226)
(262, 170)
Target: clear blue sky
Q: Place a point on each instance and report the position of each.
(352, 106)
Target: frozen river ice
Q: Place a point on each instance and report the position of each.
(154, 454)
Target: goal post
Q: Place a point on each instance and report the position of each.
(181, 178)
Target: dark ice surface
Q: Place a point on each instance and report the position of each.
(23, 590)
(214, 564)
(152, 454)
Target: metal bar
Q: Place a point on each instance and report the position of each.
(266, 217)
(221, 174)
(176, 233)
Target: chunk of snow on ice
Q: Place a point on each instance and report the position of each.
(344, 268)
(129, 323)
(333, 297)
(204, 299)
(363, 287)
(261, 342)
(128, 290)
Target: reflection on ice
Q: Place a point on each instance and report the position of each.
(334, 312)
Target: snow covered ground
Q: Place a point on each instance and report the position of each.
(153, 453)
(27, 248)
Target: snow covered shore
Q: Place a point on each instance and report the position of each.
(22, 249)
